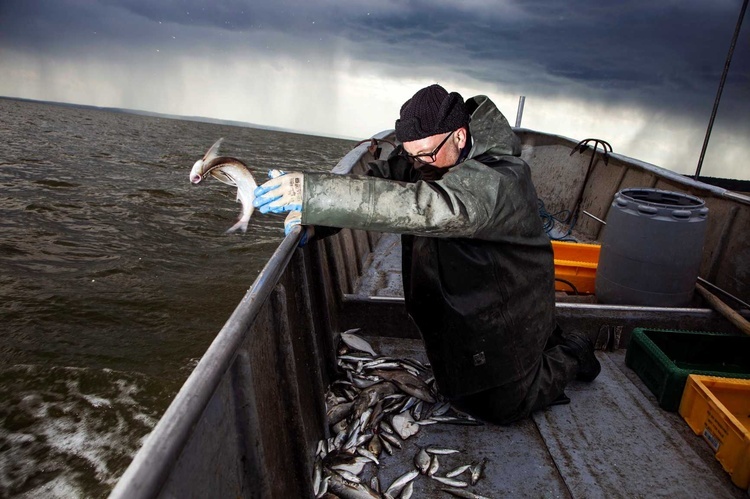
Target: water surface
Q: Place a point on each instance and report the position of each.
(115, 275)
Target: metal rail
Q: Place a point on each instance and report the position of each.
(519, 113)
(686, 181)
(152, 465)
(721, 89)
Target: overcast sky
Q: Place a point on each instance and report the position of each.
(640, 74)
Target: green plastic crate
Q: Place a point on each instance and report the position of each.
(664, 358)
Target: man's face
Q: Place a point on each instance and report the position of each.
(448, 146)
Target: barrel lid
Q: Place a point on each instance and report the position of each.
(650, 201)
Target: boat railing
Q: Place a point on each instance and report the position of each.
(248, 418)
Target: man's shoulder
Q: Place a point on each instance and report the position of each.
(494, 162)
(395, 167)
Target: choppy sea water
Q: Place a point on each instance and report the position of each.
(115, 276)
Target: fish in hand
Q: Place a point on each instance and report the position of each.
(233, 172)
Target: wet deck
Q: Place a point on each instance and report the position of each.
(612, 440)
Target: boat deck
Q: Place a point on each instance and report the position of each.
(612, 440)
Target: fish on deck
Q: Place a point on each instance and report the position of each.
(232, 172)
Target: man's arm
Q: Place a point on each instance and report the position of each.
(450, 207)
(472, 200)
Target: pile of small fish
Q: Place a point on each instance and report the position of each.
(382, 402)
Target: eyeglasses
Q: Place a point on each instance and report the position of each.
(427, 158)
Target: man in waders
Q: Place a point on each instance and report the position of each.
(478, 271)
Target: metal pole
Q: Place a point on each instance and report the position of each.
(521, 101)
(721, 88)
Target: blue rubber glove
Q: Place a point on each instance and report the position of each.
(292, 220)
(281, 194)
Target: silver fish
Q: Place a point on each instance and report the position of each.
(375, 484)
(377, 415)
(414, 363)
(465, 494)
(385, 427)
(374, 363)
(323, 487)
(450, 481)
(317, 476)
(365, 437)
(401, 481)
(340, 426)
(385, 365)
(233, 172)
(353, 341)
(366, 382)
(339, 412)
(375, 446)
(426, 422)
(408, 491)
(393, 402)
(387, 437)
(457, 471)
(387, 446)
(352, 441)
(407, 382)
(434, 466)
(355, 357)
(369, 455)
(347, 490)
(370, 396)
(457, 421)
(422, 461)
(476, 471)
(410, 402)
(332, 399)
(439, 409)
(417, 411)
(364, 419)
(409, 368)
(340, 439)
(348, 475)
(441, 450)
(355, 465)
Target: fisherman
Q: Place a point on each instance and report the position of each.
(477, 266)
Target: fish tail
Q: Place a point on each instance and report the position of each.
(241, 225)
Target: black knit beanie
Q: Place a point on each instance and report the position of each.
(431, 111)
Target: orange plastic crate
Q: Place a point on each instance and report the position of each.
(719, 410)
(575, 263)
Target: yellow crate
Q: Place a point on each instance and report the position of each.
(575, 263)
(719, 410)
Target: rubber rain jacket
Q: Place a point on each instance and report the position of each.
(478, 270)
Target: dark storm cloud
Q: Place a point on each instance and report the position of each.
(659, 55)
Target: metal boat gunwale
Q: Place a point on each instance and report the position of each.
(661, 171)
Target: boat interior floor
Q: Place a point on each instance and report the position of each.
(612, 440)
